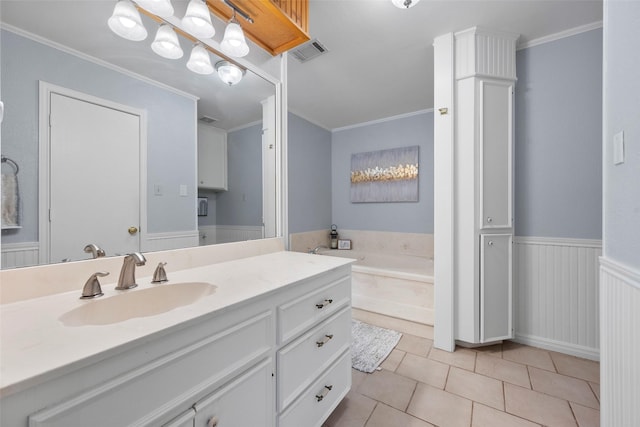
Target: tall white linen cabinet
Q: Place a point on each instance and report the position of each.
(474, 77)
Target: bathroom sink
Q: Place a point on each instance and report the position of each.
(137, 303)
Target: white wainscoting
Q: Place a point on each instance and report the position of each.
(556, 294)
(619, 366)
(229, 233)
(169, 240)
(19, 254)
(25, 254)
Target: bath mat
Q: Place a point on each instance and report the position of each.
(370, 345)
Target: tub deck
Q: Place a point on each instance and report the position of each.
(395, 285)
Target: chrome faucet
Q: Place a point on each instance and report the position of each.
(317, 248)
(127, 278)
(95, 250)
(92, 288)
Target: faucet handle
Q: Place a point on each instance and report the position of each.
(160, 275)
(92, 287)
(95, 250)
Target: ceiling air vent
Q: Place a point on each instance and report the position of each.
(309, 50)
(208, 120)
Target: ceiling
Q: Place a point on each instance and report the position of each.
(380, 59)
(379, 62)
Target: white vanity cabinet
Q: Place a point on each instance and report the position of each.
(258, 362)
(212, 158)
(475, 69)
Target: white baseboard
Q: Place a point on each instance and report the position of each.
(559, 346)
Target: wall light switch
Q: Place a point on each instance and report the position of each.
(618, 148)
(183, 190)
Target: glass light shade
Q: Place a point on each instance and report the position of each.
(229, 73)
(162, 8)
(166, 43)
(199, 61)
(234, 43)
(125, 22)
(404, 4)
(197, 20)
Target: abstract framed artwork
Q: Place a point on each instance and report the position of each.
(385, 176)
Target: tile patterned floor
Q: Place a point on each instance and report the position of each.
(498, 386)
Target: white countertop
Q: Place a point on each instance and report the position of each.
(35, 346)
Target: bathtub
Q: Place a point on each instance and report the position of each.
(395, 285)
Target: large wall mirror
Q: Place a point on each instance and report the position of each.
(71, 175)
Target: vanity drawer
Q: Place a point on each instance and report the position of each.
(300, 314)
(304, 359)
(161, 385)
(318, 401)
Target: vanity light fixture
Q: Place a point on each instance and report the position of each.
(199, 61)
(197, 20)
(234, 43)
(404, 4)
(125, 21)
(229, 73)
(166, 43)
(162, 8)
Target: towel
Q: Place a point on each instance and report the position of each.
(10, 200)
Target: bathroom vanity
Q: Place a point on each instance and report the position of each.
(259, 341)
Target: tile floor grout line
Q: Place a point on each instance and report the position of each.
(413, 393)
(371, 414)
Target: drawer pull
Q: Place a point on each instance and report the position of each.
(324, 340)
(324, 303)
(323, 393)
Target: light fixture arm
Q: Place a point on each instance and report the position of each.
(240, 11)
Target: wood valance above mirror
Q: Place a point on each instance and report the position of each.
(279, 25)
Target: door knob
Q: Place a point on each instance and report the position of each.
(132, 230)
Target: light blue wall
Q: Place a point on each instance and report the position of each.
(242, 203)
(309, 158)
(171, 149)
(558, 132)
(399, 217)
(622, 113)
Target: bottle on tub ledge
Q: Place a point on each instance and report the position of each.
(334, 236)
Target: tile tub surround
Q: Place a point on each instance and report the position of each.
(415, 244)
(395, 285)
(37, 348)
(486, 387)
(393, 274)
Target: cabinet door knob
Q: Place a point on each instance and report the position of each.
(324, 303)
(489, 219)
(213, 422)
(323, 393)
(490, 243)
(325, 340)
